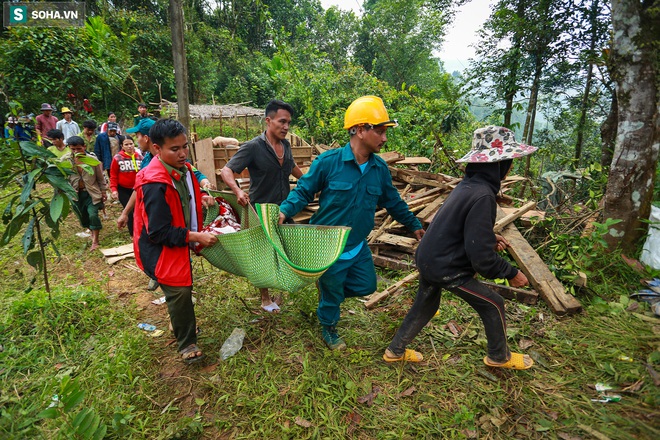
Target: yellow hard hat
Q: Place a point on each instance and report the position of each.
(368, 110)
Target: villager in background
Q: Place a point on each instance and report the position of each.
(125, 165)
(58, 148)
(107, 145)
(141, 114)
(91, 188)
(45, 122)
(68, 126)
(89, 134)
(112, 117)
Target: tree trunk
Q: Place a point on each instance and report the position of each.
(528, 133)
(180, 63)
(608, 133)
(584, 105)
(512, 75)
(632, 173)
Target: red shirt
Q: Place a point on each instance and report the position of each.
(123, 170)
(45, 124)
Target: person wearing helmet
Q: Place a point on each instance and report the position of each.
(460, 243)
(352, 181)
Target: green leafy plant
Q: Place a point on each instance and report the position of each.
(32, 204)
(83, 424)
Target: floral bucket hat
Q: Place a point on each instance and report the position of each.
(495, 144)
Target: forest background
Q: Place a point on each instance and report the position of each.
(558, 59)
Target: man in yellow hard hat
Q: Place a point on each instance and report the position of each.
(352, 181)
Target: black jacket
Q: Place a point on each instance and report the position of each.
(460, 241)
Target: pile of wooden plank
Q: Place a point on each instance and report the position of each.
(393, 246)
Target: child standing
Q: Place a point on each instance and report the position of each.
(168, 216)
(459, 243)
(125, 165)
(90, 187)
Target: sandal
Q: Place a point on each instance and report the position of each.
(408, 356)
(190, 356)
(516, 362)
(271, 308)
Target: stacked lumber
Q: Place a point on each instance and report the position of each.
(393, 246)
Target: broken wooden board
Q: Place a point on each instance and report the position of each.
(414, 161)
(521, 295)
(512, 216)
(118, 251)
(391, 157)
(392, 263)
(419, 178)
(431, 208)
(113, 260)
(205, 160)
(406, 243)
(377, 297)
(544, 282)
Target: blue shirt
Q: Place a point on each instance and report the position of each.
(349, 197)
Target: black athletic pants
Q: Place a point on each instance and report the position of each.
(489, 305)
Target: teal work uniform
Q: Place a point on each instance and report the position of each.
(349, 197)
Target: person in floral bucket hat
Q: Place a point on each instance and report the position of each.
(495, 144)
(460, 243)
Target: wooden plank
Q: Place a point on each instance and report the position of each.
(510, 218)
(205, 160)
(421, 201)
(417, 160)
(540, 277)
(113, 260)
(508, 292)
(402, 242)
(414, 196)
(377, 297)
(392, 263)
(391, 156)
(119, 250)
(431, 208)
(417, 179)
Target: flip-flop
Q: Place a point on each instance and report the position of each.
(188, 354)
(271, 308)
(408, 356)
(646, 295)
(517, 362)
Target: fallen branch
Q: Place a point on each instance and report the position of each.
(379, 296)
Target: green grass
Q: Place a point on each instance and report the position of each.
(284, 383)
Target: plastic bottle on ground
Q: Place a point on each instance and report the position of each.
(233, 343)
(146, 327)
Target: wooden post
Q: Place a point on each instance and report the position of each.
(180, 64)
(221, 119)
(247, 135)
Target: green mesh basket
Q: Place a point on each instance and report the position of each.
(269, 255)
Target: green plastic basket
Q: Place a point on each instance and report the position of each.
(269, 255)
